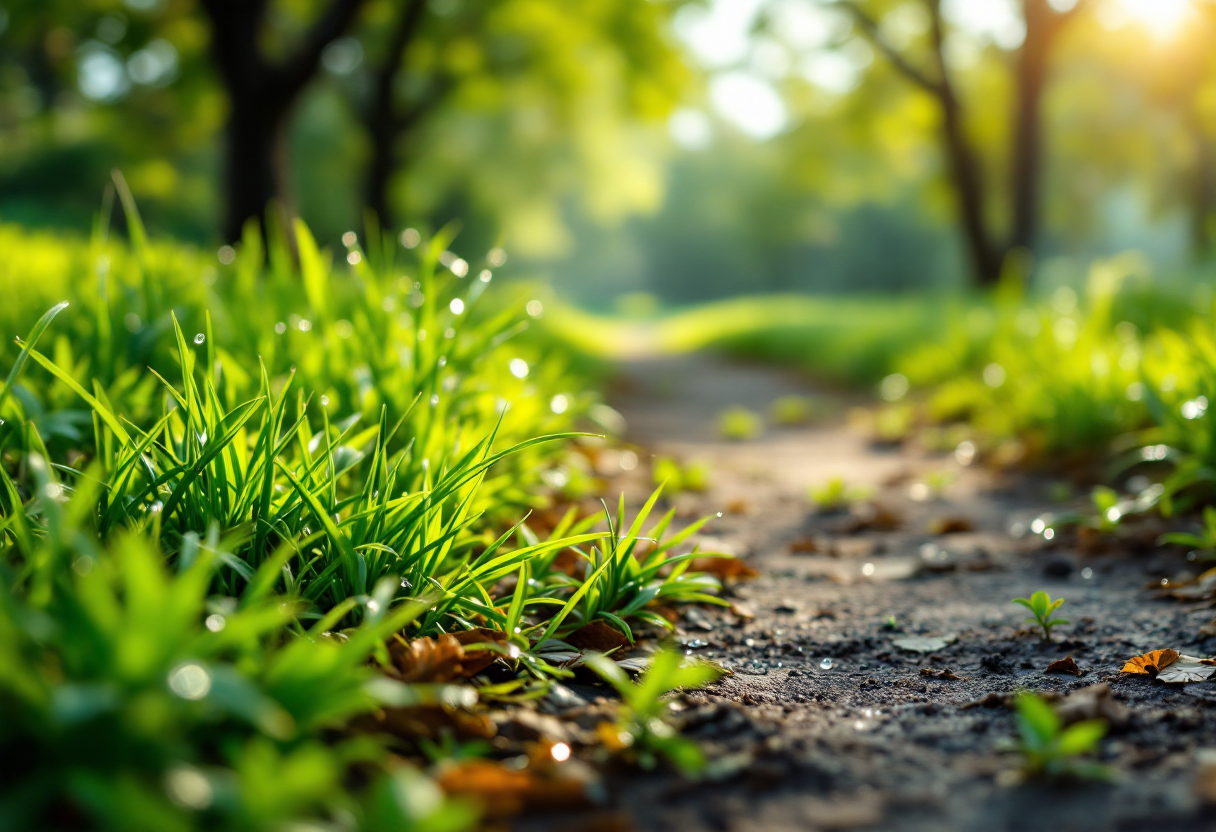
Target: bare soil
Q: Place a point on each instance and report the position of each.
(883, 738)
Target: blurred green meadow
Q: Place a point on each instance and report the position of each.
(307, 306)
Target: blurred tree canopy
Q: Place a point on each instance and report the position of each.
(686, 148)
(495, 109)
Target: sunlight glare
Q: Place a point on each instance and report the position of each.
(1163, 19)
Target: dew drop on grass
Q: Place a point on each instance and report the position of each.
(190, 681)
(406, 584)
(200, 338)
(826, 664)
(518, 368)
(280, 328)
(435, 400)
(215, 622)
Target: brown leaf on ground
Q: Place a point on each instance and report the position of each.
(738, 505)
(568, 562)
(599, 636)
(726, 569)
(475, 661)
(504, 793)
(869, 516)
(426, 659)
(428, 721)
(804, 546)
(667, 612)
(1093, 702)
(943, 673)
(1150, 664)
(1064, 665)
(950, 525)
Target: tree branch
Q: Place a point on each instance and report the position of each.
(331, 25)
(403, 35)
(869, 28)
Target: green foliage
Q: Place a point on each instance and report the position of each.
(1204, 542)
(1050, 750)
(623, 573)
(643, 728)
(1042, 608)
(675, 478)
(739, 424)
(789, 411)
(136, 699)
(836, 494)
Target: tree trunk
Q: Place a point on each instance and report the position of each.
(384, 127)
(969, 189)
(260, 97)
(1027, 141)
(254, 162)
(965, 172)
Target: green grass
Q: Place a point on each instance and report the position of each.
(225, 483)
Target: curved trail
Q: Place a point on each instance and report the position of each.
(873, 741)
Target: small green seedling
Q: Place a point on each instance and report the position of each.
(1041, 605)
(836, 494)
(1106, 504)
(642, 730)
(1202, 544)
(789, 411)
(738, 424)
(691, 476)
(1050, 750)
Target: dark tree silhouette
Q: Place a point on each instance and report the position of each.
(261, 94)
(987, 247)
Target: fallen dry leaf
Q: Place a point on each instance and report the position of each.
(804, 546)
(429, 721)
(727, 569)
(599, 636)
(950, 525)
(475, 661)
(1150, 664)
(426, 659)
(504, 792)
(924, 644)
(1187, 669)
(943, 673)
(1064, 665)
(1093, 702)
(738, 505)
(1208, 630)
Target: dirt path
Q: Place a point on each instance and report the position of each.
(871, 741)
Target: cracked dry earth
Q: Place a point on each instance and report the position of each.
(826, 724)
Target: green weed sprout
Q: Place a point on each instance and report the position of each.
(643, 730)
(836, 494)
(1204, 543)
(1106, 503)
(789, 411)
(677, 478)
(738, 424)
(1050, 750)
(1042, 607)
